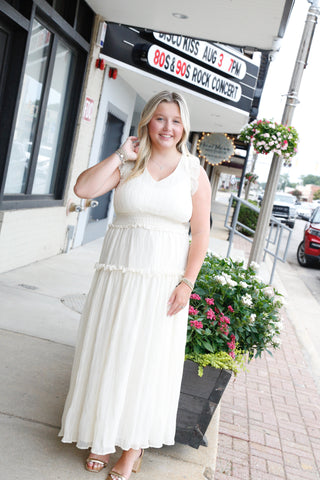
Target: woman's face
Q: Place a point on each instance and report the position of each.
(165, 127)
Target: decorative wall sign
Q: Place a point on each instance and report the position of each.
(215, 148)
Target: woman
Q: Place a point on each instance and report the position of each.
(128, 364)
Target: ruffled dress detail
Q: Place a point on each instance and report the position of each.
(128, 364)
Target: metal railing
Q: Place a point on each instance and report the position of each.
(275, 235)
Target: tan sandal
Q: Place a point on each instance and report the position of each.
(135, 469)
(95, 461)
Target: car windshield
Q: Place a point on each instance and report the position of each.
(316, 216)
(285, 198)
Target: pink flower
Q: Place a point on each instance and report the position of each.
(210, 301)
(195, 296)
(210, 314)
(193, 311)
(230, 309)
(196, 324)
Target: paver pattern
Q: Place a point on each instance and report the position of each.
(270, 418)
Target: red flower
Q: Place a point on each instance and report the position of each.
(193, 311)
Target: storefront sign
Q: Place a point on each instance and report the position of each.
(215, 148)
(208, 53)
(192, 73)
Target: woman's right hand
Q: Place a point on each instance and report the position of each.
(131, 148)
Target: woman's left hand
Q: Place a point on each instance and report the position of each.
(179, 299)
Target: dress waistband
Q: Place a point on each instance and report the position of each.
(151, 222)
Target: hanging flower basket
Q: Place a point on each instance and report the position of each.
(268, 136)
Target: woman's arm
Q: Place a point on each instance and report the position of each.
(200, 231)
(104, 176)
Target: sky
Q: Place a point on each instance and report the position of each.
(306, 115)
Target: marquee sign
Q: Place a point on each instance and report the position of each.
(190, 72)
(208, 53)
(215, 148)
(215, 71)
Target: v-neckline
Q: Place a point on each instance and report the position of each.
(168, 176)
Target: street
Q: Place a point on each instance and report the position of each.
(309, 275)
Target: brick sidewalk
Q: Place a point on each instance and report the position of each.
(270, 418)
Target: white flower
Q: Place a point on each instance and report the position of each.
(266, 135)
(255, 266)
(269, 291)
(243, 284)
(229, 280)
(247, 299)
(221, 279)
(252, 318)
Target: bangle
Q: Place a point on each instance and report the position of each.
(187, 282)
(122, 155)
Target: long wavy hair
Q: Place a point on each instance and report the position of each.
(145, 147)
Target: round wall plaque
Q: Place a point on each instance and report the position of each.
(215, 148)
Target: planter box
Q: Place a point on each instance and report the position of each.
(199, 397)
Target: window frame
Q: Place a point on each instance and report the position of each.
(64, 32)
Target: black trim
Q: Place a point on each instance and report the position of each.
(63, 32)
(62, 26)
(13, 14)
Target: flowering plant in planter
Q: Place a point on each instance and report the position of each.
(268, 136)
(233, 315)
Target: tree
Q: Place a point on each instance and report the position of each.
(316, 195)
(296, 193)
(310, 179)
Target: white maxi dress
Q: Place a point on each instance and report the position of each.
(128, 364)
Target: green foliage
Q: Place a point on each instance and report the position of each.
(217, 360)
(316, 195)
(310, 179)
(231, 310)
(249, 218)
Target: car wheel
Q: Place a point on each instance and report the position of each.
(301, 256)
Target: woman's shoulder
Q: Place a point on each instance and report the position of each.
(193, 167)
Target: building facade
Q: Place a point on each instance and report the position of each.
(70, 98)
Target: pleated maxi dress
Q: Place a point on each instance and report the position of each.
(128, 364)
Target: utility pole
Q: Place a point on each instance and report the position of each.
(292, 101)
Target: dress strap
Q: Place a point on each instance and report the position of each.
(194, 171)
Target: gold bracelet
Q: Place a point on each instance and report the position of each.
(187, 282)
(122, 155)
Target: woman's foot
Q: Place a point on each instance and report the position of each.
(129, 462)
(95, 463)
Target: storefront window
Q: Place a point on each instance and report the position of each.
(47, 157)
(25, 131)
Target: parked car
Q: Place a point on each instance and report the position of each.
(305, 210)
(308, 252)
(284, 208)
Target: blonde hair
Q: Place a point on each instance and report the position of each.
(145, 146)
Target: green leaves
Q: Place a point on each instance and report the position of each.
(235, 311)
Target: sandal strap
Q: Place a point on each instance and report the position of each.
(116, 476)
(95, 460)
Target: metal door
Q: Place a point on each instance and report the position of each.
(97, 222)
